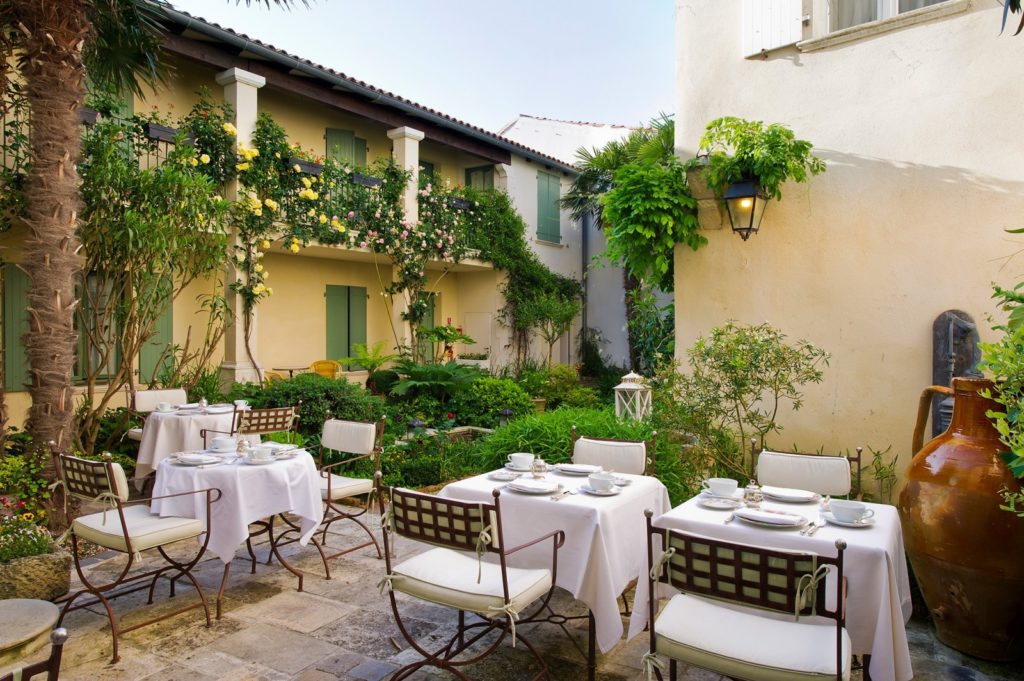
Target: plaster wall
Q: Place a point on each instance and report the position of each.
(907, 221)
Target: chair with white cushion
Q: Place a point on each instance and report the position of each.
(141, 402)
(746, 612)
(621, 456)
(837, 476)
(454, 574)
(364, 441)
(127, 527)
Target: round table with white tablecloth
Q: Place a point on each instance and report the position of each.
(168, 432)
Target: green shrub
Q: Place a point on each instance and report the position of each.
(381, 382)
(21, 474)
(549, 435)
(440, 381)
(20, 535)
(481, 403)
(319, 395)
(423, 407)
(581, 397)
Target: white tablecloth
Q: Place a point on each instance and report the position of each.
(250, 493)
(167, 434)
(604, 538)
(874, 563)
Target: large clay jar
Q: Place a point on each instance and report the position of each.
(967, 554)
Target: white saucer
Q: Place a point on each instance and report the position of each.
(205, 461)
(598, 493)
(568, 469)
(859, 524)
(258, 462)
(502, 476)
(737, 495)
(772, 526)
(719, 504)
(520, 470)
(790, 496)
(214, 451)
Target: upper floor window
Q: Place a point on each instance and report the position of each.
(480, 177)
(344, 146)
(549, 191)
(847, 13)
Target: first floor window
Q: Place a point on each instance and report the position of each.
(847, 13)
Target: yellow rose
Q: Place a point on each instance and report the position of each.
(258, 289)
(258, 254)
(322, 219)
(241, 166)
(311, 212)
(341, 230)
(270, 291)
(230, 129)
(297, 168)
(294, 248)
(204, 159)
(193, 162)
(266, 275)
(265, 244)
(258, 268)
(306, 182)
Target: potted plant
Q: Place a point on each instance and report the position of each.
(480, 360)
(31, 564)
(745, 163)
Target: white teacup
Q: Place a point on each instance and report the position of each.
(521, 460)
(849, 511)
(720, 487)
(225, 444)
(602, 482)
(163, 406)
(262, 453)
(242, 404)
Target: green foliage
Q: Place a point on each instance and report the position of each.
(319, 396)
(370, 359)
(442, 337)
(381, 382)
(20, 535)
(1005, 360)
(883, 472)
(552, 314)
(425, 408)
(648, 210)
(652, 330)
(480, 404)
(739, 149)
(581, 397)
(14, 169)
(22, 474)
(548, 435)
(440, 381)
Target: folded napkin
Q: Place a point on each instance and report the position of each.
(772, 517)
(529, 485)
(788, 493)
(578, 467)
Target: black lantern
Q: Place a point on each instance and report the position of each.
(745, 202)
(504, 415)
(414, 425)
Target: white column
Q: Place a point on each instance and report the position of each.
(240, 92)
(406, 152)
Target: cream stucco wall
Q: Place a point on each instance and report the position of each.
(923, 175)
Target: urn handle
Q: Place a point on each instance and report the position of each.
(923, 408)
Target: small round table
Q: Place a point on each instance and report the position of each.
(292, 369)
(25, 628)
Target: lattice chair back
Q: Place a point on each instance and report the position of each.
(793, 583)
(145, 401)
(267, 421)
(621, 456)
(94, 480)
(352, 437)
(463, 526)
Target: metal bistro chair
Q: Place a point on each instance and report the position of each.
(453, 574)
(326, 367)
(130, 528)
(141, 402)
(730, 615)
(50, 666)
(621, 456)
(836, 476)
(259, 422)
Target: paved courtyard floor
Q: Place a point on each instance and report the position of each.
(343, 629)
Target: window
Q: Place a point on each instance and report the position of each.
(480, 177)
(346, 321)
(847, 13)
(153, 360)
(343, 146)
(549, 191)
(427, 170)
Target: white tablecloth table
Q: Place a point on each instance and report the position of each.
(604, 538)
(165, 434)
(250, 493)
(874, 564)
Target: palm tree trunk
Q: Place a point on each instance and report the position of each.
(54, 87)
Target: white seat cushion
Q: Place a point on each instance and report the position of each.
(815, 473)
(135, 434)
(342, 487)
(746, 643)
(448, 578)
(621, 457)
(145, 529)
(353, 437)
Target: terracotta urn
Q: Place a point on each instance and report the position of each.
(966, 553)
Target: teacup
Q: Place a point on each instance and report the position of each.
(601, 482)
(521, 460)
(262, 453)
(163, 406)
(225, 444)
(720, 487)
(849, 511)
(242, 404)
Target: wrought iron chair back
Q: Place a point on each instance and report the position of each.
(444, 522)
(647, 454)
(266, 421)
(89, 480)
(50, 666)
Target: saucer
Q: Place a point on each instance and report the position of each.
(503, 476)
(510, 467)
(577, 469)
(528, 486)
(719, 504)
(196, 460)
(599, 493)
(859, 524)
(737, 495)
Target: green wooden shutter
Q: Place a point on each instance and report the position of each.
(149, 356)
(480, 177)
(359, 151)
(341, 145)
(356, 320)
(16, 369)
(337, 322)
(548, 217)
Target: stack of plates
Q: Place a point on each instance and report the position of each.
(195, 459)
(775, 519)
(788, 494)
(531, 486)
(577, 468)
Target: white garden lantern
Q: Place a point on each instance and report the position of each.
(633, 397)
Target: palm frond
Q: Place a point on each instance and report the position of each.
(123, 52)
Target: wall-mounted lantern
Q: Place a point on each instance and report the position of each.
(745, 202)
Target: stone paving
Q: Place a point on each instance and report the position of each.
(343, 629)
